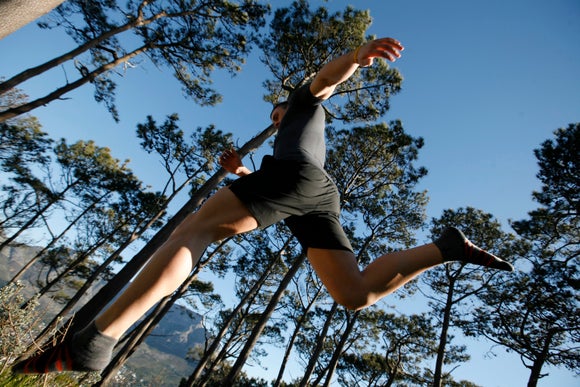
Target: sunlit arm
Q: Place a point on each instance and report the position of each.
(340, 69)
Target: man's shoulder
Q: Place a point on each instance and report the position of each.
(303, 96)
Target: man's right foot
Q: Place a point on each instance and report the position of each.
(88, 350)
(55, 359)
(454, 246)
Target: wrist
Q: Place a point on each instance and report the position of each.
(242, 171)
(355, 55)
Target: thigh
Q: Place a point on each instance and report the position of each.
(221, 216)
(339, 272)
(321, 230)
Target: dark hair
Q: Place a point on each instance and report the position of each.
(283, 103)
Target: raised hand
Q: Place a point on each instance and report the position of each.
(387, 48)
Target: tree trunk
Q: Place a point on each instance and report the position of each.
(223, 330)
(294, 336)
(318, 348)
(25, 108)
(15, 14)
(265, 316)
(539, 361)
(437, 374)
(227, 345)
(339, 348)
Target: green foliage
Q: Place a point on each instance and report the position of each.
(16, 324)
(300, 41)
(560, 171)
(24, 147)
(535, 313)
(193, 157)
(192, 38)
(391, 349)
(374, 170)
(17, 327)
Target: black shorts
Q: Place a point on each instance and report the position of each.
(301, 194)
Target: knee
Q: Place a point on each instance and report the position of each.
(354, 300)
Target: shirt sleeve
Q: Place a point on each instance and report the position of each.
(303, 97)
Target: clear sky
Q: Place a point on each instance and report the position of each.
(485, 83)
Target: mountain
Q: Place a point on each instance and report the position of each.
(161, 360)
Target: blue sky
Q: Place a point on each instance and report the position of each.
(485, 83)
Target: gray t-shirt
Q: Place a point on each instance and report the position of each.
(301, 132)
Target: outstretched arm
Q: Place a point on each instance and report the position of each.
(340, 69)
(230, 160)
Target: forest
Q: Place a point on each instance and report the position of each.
(92, 223)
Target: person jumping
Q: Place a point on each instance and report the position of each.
(290, 185)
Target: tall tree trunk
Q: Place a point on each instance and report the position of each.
(261, 323)
(339, 349)
(318, 348)
(15, 14)
(294, 336)
(193, 378)
(539, 361)
(227, 345)
(438, 372)
(241, 313)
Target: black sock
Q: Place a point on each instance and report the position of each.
(90, 349)
(454, 246)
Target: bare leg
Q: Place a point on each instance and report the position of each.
(91, 348)
(356, 289)
(221, 216)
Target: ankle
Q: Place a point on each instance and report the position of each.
(92, 349)
(451, 244)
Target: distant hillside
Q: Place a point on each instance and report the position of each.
(158, 362)
(162, 358)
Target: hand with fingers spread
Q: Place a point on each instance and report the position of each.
(231, 161)
(340, 69)
(387, 48)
